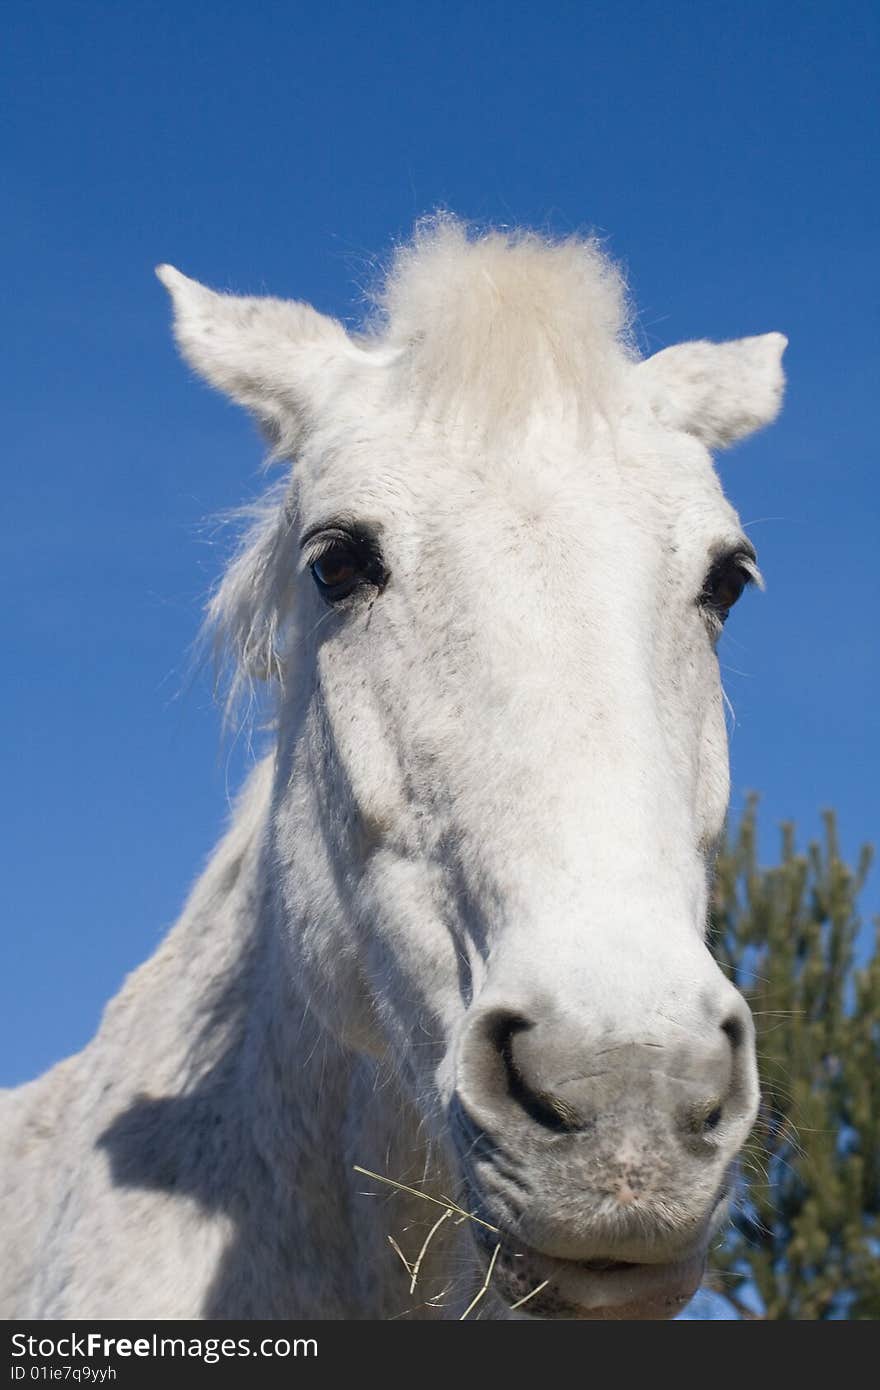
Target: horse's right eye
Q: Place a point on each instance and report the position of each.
(345, 562)
(337, 571)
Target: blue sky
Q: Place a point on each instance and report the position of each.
(729, 154)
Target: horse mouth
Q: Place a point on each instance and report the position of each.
(536, 1285)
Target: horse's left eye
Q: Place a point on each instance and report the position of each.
(725, 583)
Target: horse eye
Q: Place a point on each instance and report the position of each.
(344, 564)
(337, 568)
(724, 584)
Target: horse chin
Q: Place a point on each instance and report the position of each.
(600, 1290)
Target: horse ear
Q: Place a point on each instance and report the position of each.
(269, 355)
(719, 392)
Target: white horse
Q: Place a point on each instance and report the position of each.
(456, 932)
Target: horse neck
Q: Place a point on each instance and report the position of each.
(299, 1110)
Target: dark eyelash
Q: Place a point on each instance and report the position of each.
(741, 560)
(320, 539)
(322, 545)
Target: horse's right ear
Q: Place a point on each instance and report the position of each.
(270, 355)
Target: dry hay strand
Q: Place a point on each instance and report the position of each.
(450, 1208)
(446, 1202)
(482, 1292)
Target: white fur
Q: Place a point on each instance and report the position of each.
(498, 780)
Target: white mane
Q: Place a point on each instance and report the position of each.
(246, 614)
(489, 323)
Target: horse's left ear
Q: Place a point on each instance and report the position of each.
(270, 355)
(719, 392)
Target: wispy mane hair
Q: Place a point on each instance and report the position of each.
(245, 616)
(490, 323)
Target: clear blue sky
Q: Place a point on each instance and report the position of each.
(729, 152)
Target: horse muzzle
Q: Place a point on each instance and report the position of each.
(599, 1168)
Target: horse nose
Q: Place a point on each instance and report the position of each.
(548, 1074)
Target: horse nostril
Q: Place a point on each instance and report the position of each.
(501, 1028)
(549, 1111)
(734, 1030)
(713, 1119)
(699, 1120)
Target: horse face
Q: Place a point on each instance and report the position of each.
(501, 769)
(508, 744)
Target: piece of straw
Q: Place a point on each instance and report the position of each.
(474, 1301)
(428, 1238)
(397, 1250)
(414, 1192)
